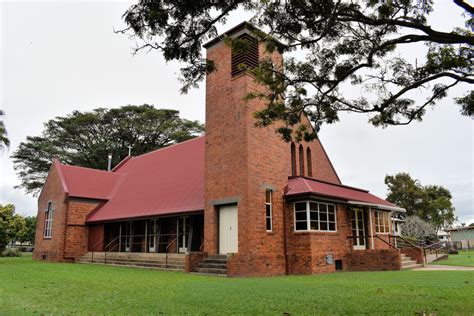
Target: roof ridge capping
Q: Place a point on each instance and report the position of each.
(247, 28)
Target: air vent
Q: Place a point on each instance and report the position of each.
(243, 61)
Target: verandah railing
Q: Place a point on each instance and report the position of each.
(127, 243)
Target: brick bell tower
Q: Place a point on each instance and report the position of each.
(246, 167)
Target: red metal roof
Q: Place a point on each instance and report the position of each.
(171, 180)
(86, 182)
(165, 181)
(300, 186)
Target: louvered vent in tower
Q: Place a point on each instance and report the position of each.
(247, 59)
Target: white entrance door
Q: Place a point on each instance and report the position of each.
(358, 229)
(228, 229)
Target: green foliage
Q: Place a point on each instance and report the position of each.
(345, 42)
(27, 233)
(11, 252)
(86, 138)
(60, 288)
(431, 203)
(11, 224)
(4, 141)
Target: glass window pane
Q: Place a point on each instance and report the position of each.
(300, 216)
(323, 226)
(268, 210)
(313, 215)
(331, 208)
(314, 225)
(300, 226)
(269, 224)
(323, 217)
(313, 206)
(323, 208)
(332, 226)
(331, 217)
(268, 196)
(301, 206)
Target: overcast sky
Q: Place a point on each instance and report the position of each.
(57, 57)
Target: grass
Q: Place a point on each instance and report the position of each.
(465, 258)
(28, 286)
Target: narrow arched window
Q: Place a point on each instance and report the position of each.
(301, 160)
(293, 159)
(309, 163)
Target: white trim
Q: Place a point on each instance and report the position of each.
(308, 217)
(371, 229)
(379, 206)
(271, 210)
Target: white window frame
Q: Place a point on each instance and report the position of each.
(380, 227)
(308, 217)
(48, 221)
(269, 203)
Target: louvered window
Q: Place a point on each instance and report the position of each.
(248, 59)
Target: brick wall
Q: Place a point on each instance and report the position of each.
(192, 259)
(414, 253)
(242, 161)
(373, 260)
(77, 232)
(307, 251)
(51, 248)
(69, 233)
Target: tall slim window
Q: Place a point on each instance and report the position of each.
(382, 222)
(293, 159)
(301, 160)
(268, 210)
(309, 162)
(48, 221)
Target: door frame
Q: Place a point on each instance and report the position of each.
(356, 212)
(219, 207)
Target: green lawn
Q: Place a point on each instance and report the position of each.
(465, 258)
(28, 286)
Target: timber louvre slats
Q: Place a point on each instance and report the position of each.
(245, 60)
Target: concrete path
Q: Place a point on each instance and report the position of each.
(434, 267)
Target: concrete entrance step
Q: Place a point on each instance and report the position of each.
(175, 262)
(213, 265)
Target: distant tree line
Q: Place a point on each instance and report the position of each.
(15, 227)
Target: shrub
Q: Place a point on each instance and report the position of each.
(11, 252)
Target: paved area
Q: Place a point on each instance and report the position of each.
(434, 267)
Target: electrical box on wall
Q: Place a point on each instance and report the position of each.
(329, 259)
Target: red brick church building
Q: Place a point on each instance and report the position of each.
(238, 200)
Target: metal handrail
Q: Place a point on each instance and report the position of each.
(376, 236)
(405, 240)
(167, 253)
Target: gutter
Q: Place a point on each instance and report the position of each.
(379, 206)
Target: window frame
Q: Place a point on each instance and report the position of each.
(309, 163)
(308, 217)
(301, 160)
(382, 227)
(270, 205)
(48, 221)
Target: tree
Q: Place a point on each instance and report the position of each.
(431, 203)
(10, 224)
(27, 234)
(4, 141)
(86, 138)
(345, 41)
(416, 228)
